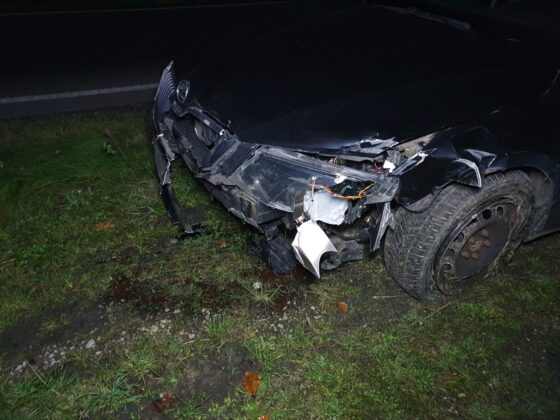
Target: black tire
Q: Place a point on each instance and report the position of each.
(432, 253)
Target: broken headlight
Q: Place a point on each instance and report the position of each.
(182, 91)
(277, 176)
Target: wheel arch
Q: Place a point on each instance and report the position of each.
(542, 170)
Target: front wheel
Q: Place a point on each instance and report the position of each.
(447, 247)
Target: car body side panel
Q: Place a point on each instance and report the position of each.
(526, 137)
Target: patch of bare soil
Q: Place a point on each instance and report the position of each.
(291, 286)
(215, 378)
(144, 295)
(375, 299)
(26, 336)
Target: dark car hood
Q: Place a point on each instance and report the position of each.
(364, 72)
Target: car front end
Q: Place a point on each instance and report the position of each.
(332, 204)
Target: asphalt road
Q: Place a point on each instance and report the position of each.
(56, 62)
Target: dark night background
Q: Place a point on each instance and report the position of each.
(64, 46)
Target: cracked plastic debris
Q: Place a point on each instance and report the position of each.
(310, 243)
(411, 163)
(382, 224)
(466, 172)
(390, 166)
(276, 175)
(321, 206)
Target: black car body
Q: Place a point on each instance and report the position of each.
(358, 120)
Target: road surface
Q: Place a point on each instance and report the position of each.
(56, 62)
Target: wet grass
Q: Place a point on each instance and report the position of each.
(87, 253)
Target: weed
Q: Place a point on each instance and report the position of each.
(109, 398)
(218, 329)
(266, 351)
(138, 363)
(264, 293)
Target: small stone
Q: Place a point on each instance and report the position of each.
(177, 311)
(257, 285)
(192, 336)
(462, 395)
(90, 344)
(154, 329)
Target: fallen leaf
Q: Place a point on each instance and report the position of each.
(104, 226)
(164, 402)
(342, 306)
(247, 335)
(265, 417)
(251, 382)
(222, 243)
(450, 377)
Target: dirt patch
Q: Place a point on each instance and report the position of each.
(372, 298)
(148, 296)
(215, 378)
(292, 285)
(25, 338)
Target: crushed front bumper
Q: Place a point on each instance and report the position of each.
(260, 184)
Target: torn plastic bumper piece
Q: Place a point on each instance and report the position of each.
(178, 215)
(261, 184)
(309, 245)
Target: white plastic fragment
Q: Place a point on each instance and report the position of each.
(340, 178)
(90, 344)
(321, 206)
(310, 243)
(390, 166)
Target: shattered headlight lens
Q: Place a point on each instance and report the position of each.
(276, 176)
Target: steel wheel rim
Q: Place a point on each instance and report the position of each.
(476, 242)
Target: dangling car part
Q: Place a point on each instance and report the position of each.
(446, 162)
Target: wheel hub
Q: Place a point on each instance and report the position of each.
(474, 245)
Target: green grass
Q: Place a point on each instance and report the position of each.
(183, 317)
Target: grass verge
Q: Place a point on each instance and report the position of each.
(105, 312)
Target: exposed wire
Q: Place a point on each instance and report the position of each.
(361, 194)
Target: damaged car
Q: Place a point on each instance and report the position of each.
(374, 128)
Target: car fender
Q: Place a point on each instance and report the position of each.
(448, 159)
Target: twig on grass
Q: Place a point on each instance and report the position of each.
(40, 377)
(441, 308)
